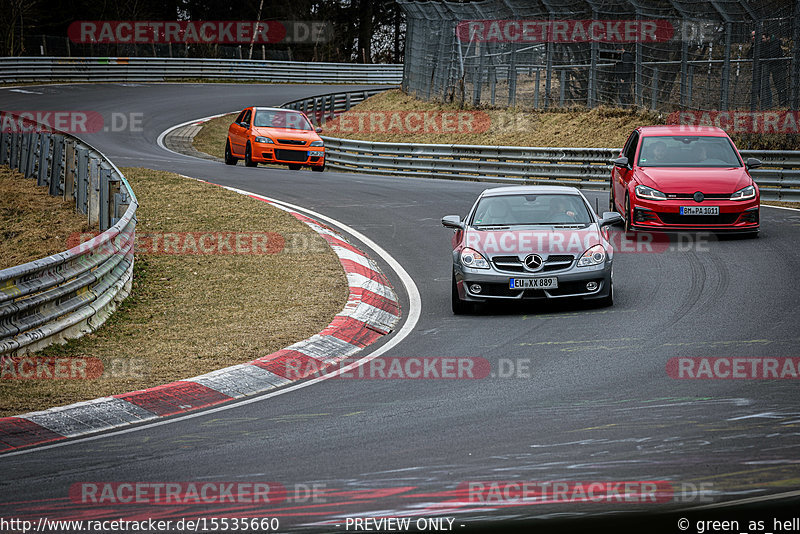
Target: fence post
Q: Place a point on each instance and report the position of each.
(654, 89)
(94, 192)
(55, 173)
(33, 141)
(105, 179)
(44, 159)
(14, 155)
(23, 153)
(69, 170)
(82, 184)
(3, 147)
(512, 77)
(563, 83)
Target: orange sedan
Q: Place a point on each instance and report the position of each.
(274, 135)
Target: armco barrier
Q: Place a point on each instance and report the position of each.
(73, 292)
(778, 178)
(320, 108)
(146, 69)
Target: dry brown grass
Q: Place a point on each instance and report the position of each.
(191, 314)
(795, 205)
(211, 137)
(599, 127)
(33, 224)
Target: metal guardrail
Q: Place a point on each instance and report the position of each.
(320, 108)
(147, 69)
(778, 179)
(71, 293)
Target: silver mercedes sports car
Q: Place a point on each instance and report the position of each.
(531, 242)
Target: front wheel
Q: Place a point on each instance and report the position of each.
(628, 215)
(459, 306)
(612, 204)
(609, 300)
(318, 168)
(248, 157)
(229, 159)
(294, 167)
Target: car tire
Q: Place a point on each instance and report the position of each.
(248, 157)
(612, 205)
(459, 306)
(628, 214)
(294, 167)
(229, 159)
(608, 300)
(318, 168)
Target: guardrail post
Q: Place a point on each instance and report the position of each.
(44, 159)
(33, 141)
(537, 81)
(333, 107)
(82, 184)
(94, 192)
(563, 83)
(69, 170)
(347, 101)
(121, 202)
(57, 166)
(12, 156)
(23, 153)
(105, 176)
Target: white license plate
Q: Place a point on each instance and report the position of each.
(316, 154)
(533, 283)
(699, 210)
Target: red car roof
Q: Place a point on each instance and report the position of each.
(677, 129)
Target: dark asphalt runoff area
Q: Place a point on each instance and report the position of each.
(577, 394)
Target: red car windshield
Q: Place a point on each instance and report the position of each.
(289, 120)
(688, 151)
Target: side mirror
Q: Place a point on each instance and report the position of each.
(318, 130)
(610, 218)
(621, 161)
(753, 163)
(452, 221)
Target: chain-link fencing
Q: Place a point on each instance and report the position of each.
(665, 55)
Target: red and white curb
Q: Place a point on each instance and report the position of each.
(371, 312)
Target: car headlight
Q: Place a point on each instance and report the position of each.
(473, 259)
(594, 256)
(745, 193)
(642, 191)
(265, 140)
(317, 143)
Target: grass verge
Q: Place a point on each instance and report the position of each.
(191, 314)
(211, 137)
(33, 224)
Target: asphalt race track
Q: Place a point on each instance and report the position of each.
(595, 402)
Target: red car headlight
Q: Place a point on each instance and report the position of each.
(745, 193)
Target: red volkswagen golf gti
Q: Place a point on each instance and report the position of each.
(676, 178)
